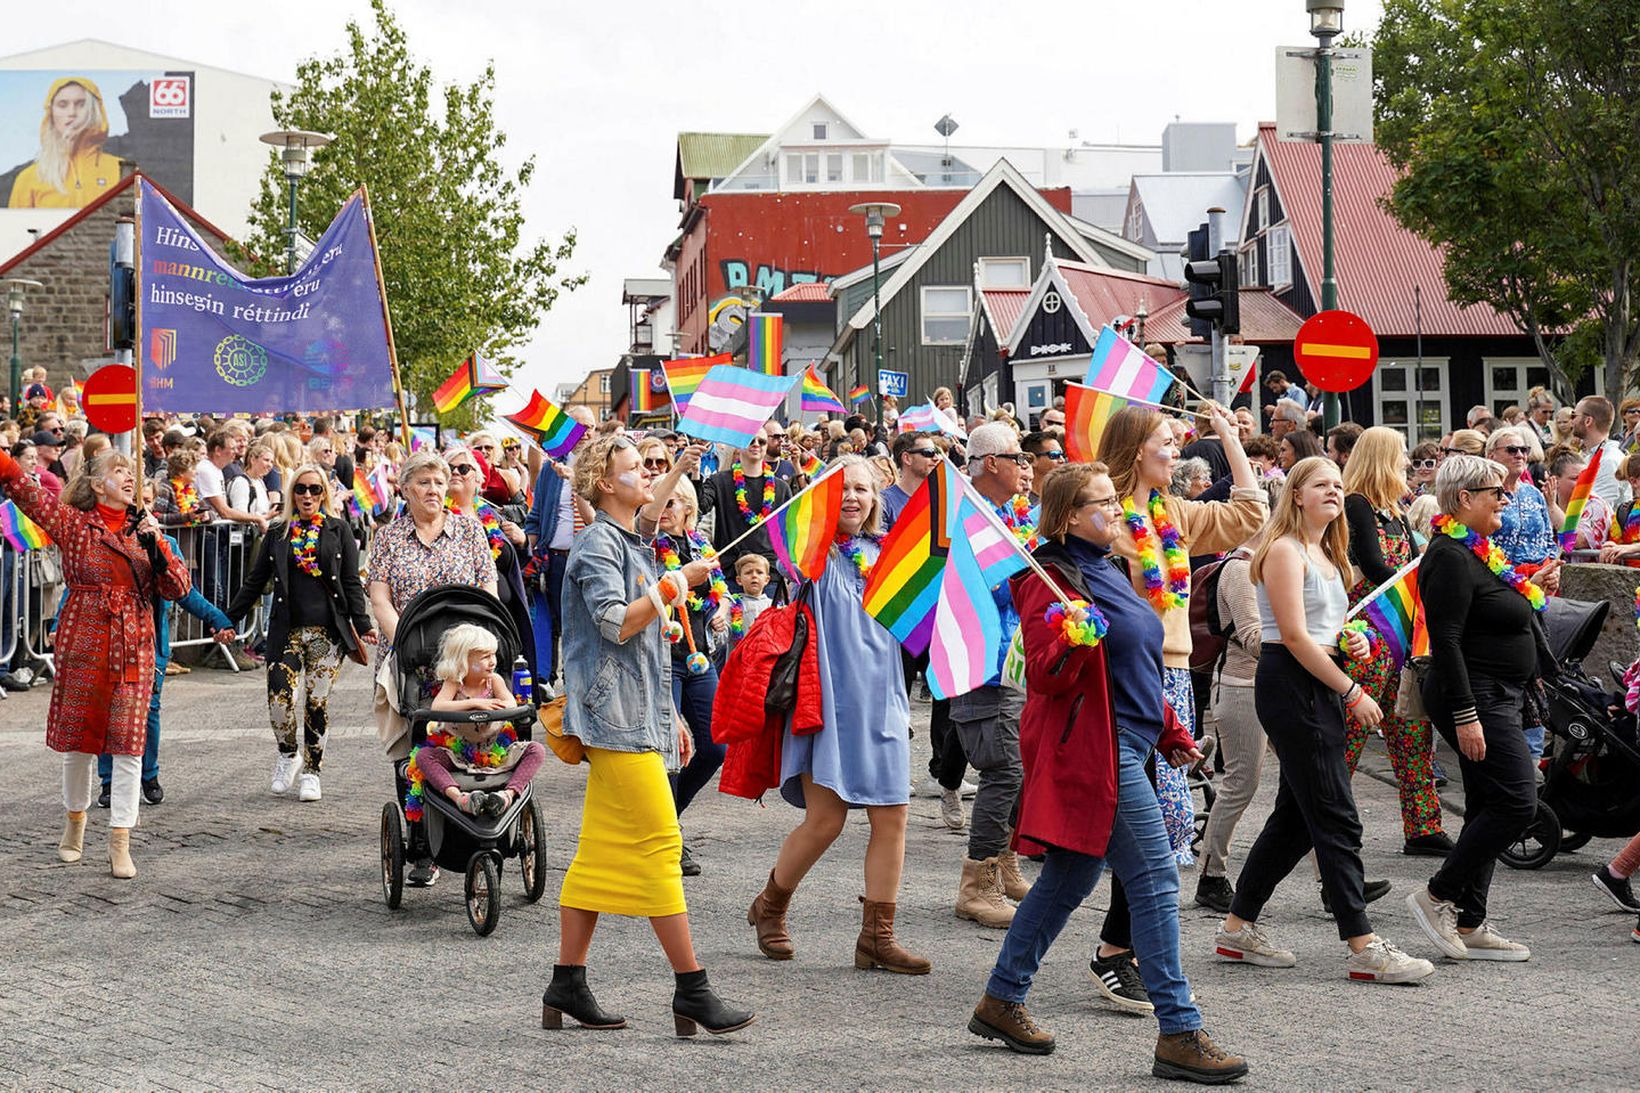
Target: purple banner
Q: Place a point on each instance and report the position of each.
(213, 340)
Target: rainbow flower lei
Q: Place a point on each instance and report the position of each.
(487, 516)
(1089, 632)
(1017, 515)
(852, 548)
(304, 544)
(1493, 557)
(740, 494)
(492, 754)
(186, 495)
(737, 617)
(1176, 591)
(717, 588)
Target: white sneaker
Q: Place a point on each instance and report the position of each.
(1250, 945)
(951, 811)
(967, 790)
(1381, 962)
(1439, 919)
(1487, 944)
(284, 773)
(307, 786)
(928, 787)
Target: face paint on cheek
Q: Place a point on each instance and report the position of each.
(1097, 519)
(630, 479)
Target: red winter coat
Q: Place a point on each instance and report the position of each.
(739, 719)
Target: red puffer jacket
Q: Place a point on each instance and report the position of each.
(740, 718)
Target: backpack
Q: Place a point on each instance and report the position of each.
(1209, 633)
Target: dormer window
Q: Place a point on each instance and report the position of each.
(819, 130)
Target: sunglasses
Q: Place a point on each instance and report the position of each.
(309, 488)
(1018, 459)
(1453, 451)
(926, 453)
(657, 465)
(1503, 494)
(461, 470)
(1425, 464)
(755, 441)
(1057, 457)
(1518, 449)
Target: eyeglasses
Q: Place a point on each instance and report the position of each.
(657, 465)
(1110, 503)
(313, 488)
(1018, 459)
(461, 470)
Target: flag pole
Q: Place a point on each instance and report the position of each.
(387, 318)
(822, 476)
(136, 357)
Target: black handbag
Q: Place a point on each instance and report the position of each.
(783, 677)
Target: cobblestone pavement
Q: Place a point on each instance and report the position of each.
(254, 950)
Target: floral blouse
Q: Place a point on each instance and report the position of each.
(1526, 534)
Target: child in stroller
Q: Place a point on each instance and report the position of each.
(466, 669)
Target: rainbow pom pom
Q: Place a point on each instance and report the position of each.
(697, 664)
(673, 629)
(1375, 642)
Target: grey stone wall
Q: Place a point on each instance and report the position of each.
(1619, 639)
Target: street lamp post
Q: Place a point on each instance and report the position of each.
(1326, 22)
(876, 213)
(15, 287)
(294, 145)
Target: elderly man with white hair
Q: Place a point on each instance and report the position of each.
(987, 719)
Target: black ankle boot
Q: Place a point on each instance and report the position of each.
(695, 1003)
(568, 993)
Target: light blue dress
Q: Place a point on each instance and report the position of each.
(863, 754)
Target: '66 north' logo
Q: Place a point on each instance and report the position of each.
(169, 96)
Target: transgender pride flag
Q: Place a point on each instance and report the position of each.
(963, 651)
(1121, 368)
(731, 404)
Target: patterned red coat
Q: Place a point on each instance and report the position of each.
(105, 633)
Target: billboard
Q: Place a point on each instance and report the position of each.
(65, 134)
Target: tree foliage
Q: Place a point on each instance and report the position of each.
(1516, 126)
(460, 276)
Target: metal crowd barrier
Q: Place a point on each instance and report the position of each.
(9, 614)
(218, 556)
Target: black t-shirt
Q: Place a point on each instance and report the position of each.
(309, 604)
(717, 495)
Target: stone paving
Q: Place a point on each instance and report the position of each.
(254, 950)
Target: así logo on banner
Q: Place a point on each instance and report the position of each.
(169, 97)
(240, 361)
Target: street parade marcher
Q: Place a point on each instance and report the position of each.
(426, 547)
(860, 757)
(616, 673)
(116, 563)
(1302, 696)
(316, 617)
(505, 538)
(1093, 714)
(1488, 652)
(739, 496)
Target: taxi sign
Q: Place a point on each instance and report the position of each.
(1336, 350)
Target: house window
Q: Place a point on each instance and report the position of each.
(1249, 267)
(819, 130)
(811, 168)
(946, 310)
(1136, 220)
(1263, 210)
(1279, 246)
(1005, 272)
(794, 169)
(834, 167)
(861, 167)
(603, 383)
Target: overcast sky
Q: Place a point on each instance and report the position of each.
(598, 91)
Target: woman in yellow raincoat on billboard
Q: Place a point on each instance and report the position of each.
(72, 169)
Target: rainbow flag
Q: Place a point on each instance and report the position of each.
(731, 404)
(643, 395)
(362, 496)
(21, 532)
(809, 461)
(817, 397)
(1087, 412)
(967, 629)
(473, 376)
(802, 531)
(553, 429)
(1394, 610)
(1121, 368)
(684, 375)
(859, 394)
(763, 342)
(904, 588)
(1579, 498)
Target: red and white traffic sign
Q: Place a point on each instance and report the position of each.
(1336, 350)
(110, 398)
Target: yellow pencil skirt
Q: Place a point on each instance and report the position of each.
(627, 860)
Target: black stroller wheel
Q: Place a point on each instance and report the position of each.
(532, 851)
(392, 856)
(483, 894)
(1539, 843)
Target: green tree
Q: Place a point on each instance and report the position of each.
(1516, 126)
(460, 275)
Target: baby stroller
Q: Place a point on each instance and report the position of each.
(1591, 762)
(455, 840)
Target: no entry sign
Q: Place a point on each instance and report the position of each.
(1336, 350)
(110, 398)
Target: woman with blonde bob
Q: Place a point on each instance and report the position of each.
(1381, 543)
(1302, 694)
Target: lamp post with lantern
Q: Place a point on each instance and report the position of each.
(15, 288)
(876, 214)
(1326, 23)
(294, 146)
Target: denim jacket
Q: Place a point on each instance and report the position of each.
(620, 693)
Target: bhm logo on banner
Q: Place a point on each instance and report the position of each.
(162, 348)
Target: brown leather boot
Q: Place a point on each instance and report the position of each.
(980, 897)
(1014, 885)
(768, 918)
(877, 947)
(72, 845)
(1011, 1023)
(1192, 1057)
(119, 853)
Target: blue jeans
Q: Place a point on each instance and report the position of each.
(544, 615)
(150, 750)
(1534, 740)
(692, 697)
(1141, 856)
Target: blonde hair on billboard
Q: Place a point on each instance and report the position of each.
(57, 152)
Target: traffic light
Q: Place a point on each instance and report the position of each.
(122, 301)
(1221, 305)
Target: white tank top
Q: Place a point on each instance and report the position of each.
(1326, 602)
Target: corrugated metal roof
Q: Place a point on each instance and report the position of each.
(1103, 293)
(1377, 261)
(714, 155)
(807, 292)
(1265, 320)
(1004, 306)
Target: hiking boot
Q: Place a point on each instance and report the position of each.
(951, 810)
(1439, 919)
(980, 898)
(1011, 1023)
(1372, 890)
(768, 917)
(1118, 980)
(1214, 893)
(1014, 885)
(1618, 888)
(1486, 943)
(1193, 1057)
(1437, 844)
(1250, 945)
(876, 946)
(1381, 962)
